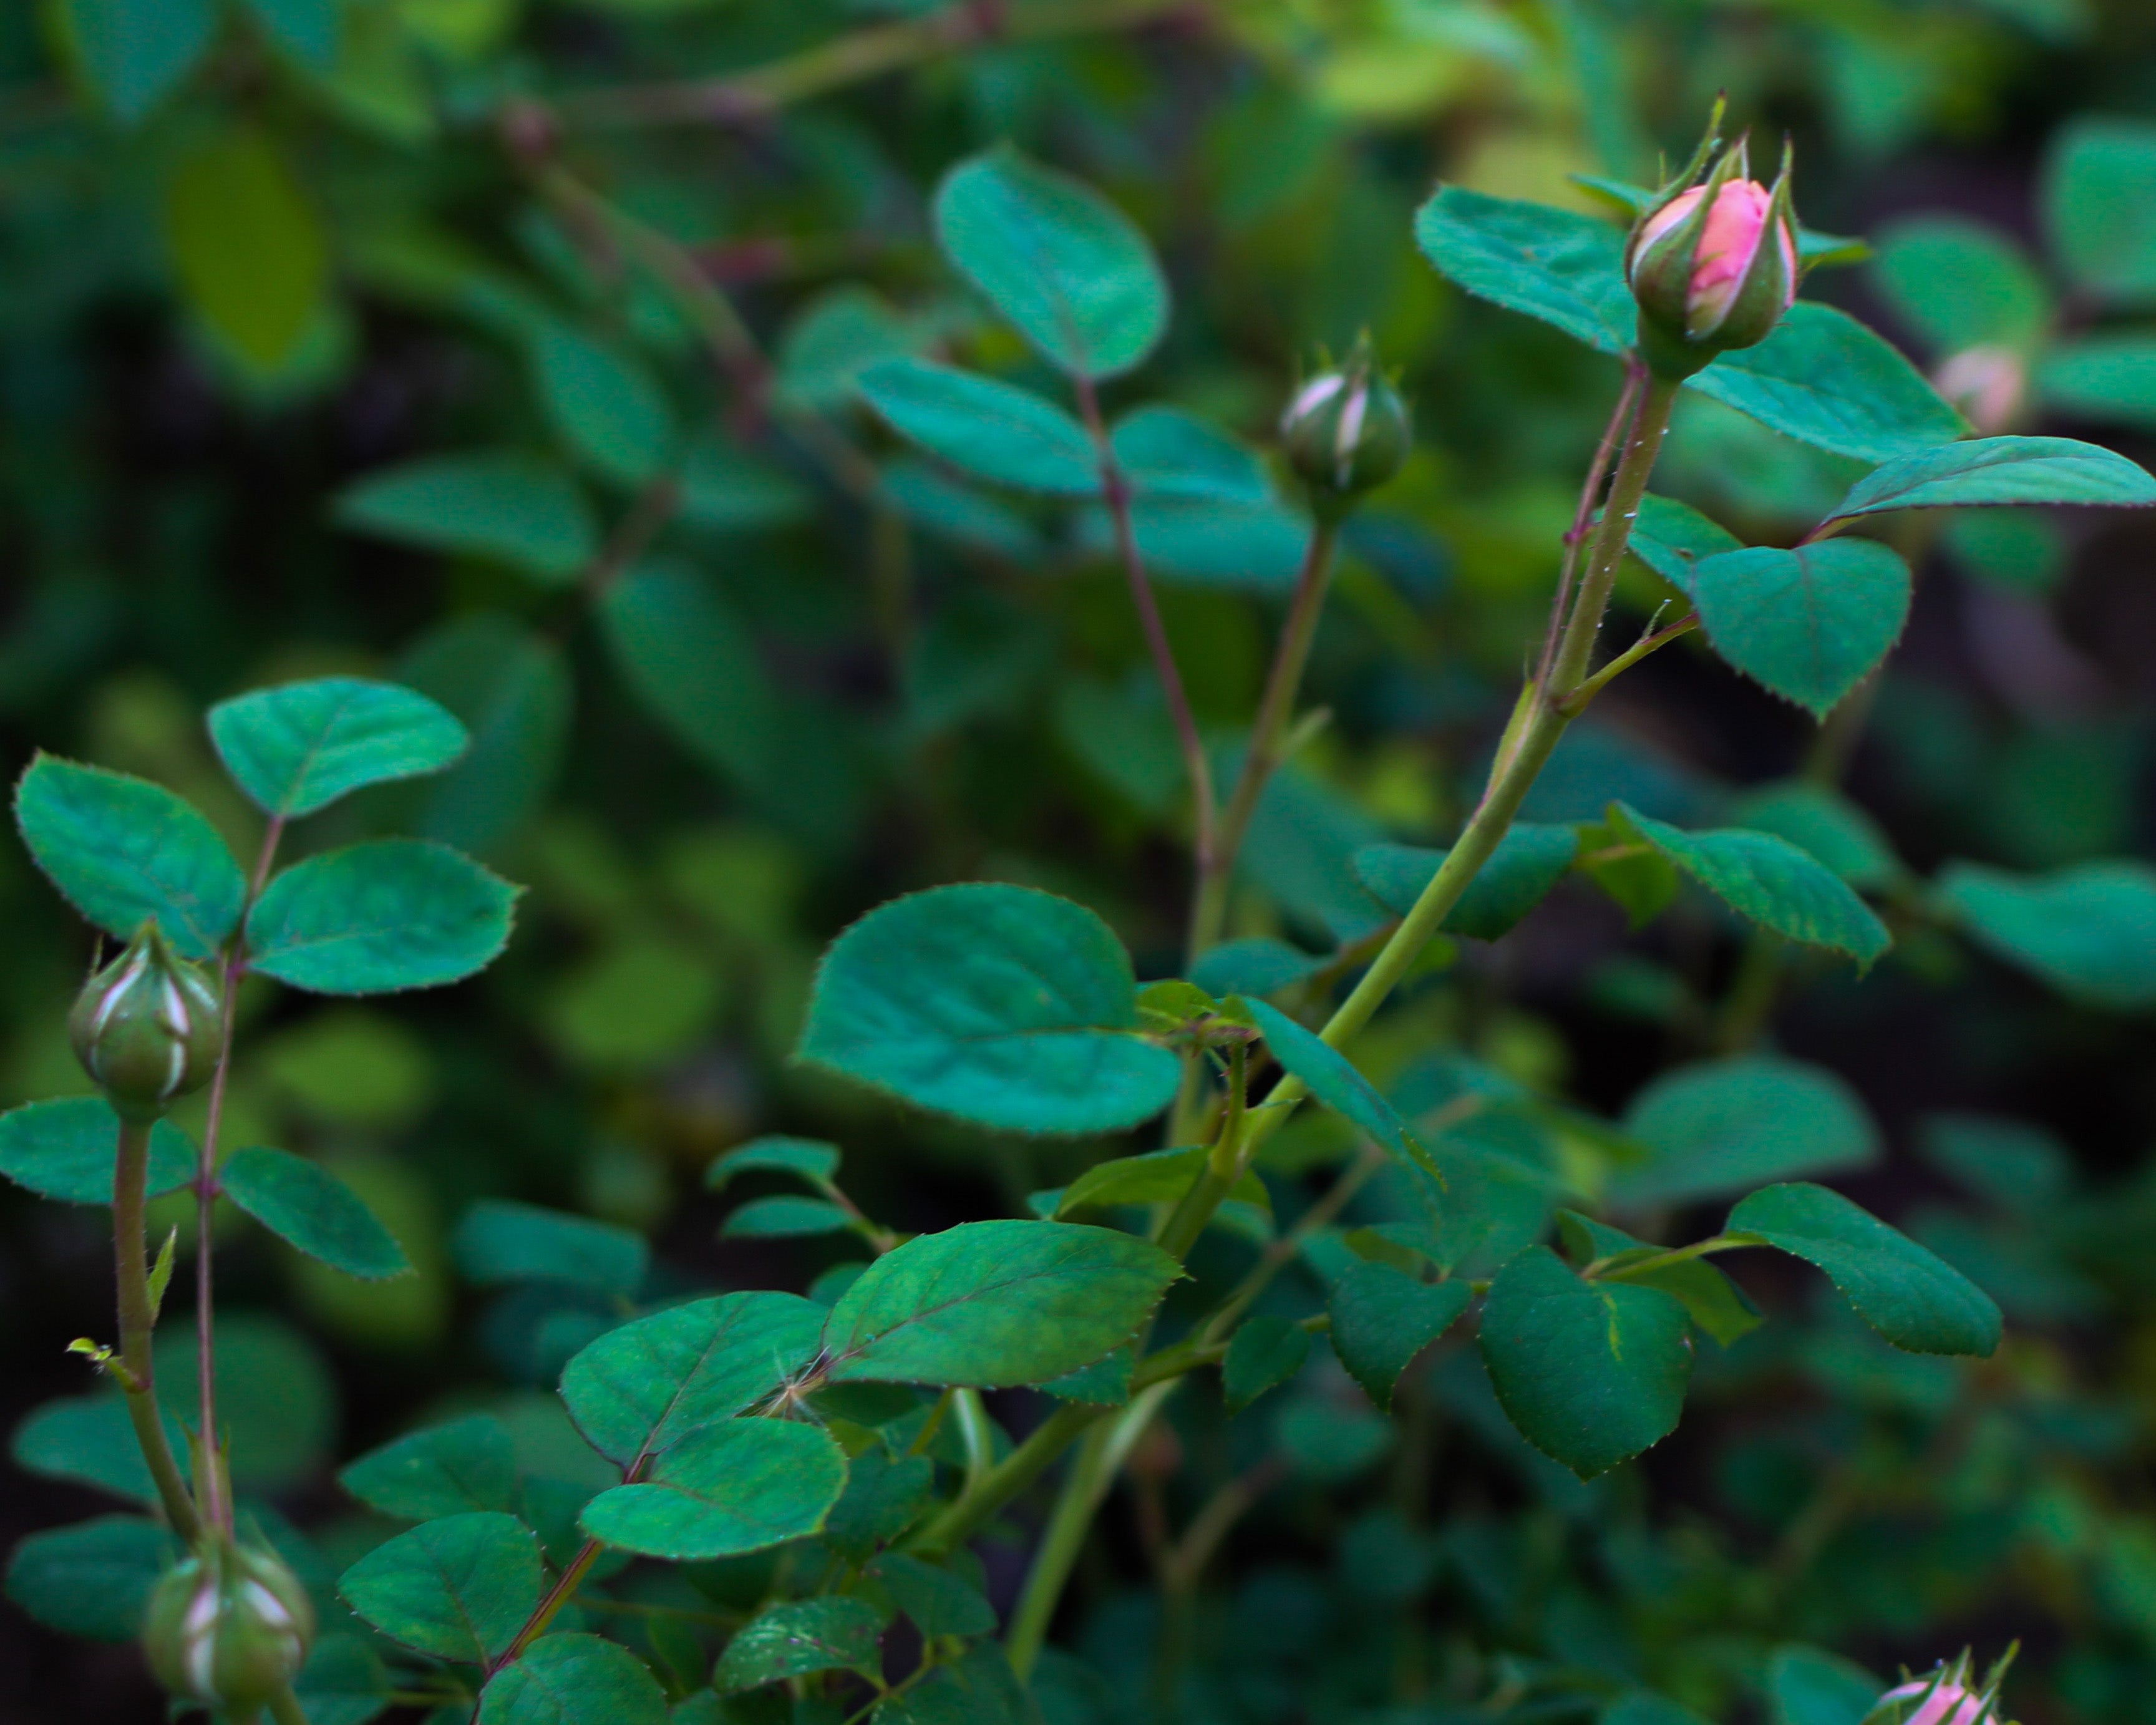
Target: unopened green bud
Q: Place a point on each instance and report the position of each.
(1347, 431)
(229, 1628)
(146, 1027)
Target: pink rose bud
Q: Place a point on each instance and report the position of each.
(1713, 266)
(1943, 1703)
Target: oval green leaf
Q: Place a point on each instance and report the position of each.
(1995, 471)
(300, 747)
(395, 913)
(603, 404)
(1809, 624)
(835, 1632)
(66, 1149)
(1332, 1079)
(737, 1486)
(459, 1588)
(573, 1679)
(1556, 265)
(1529, 860)
(1002, 434)
(1721, 1126)
(522, 510)
(2089, 931)
(1383, 1317)
(310, 1208)
(452, 1469)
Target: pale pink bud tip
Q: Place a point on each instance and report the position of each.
(1949, 1703)
(1736, 227)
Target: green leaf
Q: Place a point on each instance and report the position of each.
(811, 1159)
(1153, 1176)
(835, 336)
(1962, 284)
(1807, 1685)
(122, 849)
(307, 30)
(89, 1439)
(1809, 624)
(2103, 377)
(979, 1689)
(1242, 547)
(1263, 1354)
(939, 1602)
(785, 1218)
(1332, 1079)
(343, 1682)
(1720, 1126)
(1638, 878)
(247, 250)
(1915, 1300)
(573, 1679)
(691, 663)
(276, 1399)
(465, 1465)
(737, 1486)
(300, 747)
(1382, 1318)
(497, 1241)
(1002, 433)
(1563, 268)
(729, 491)
(2100, 205)
(882, 1499)
(992, 1304)
(374, 918)
(1769, 882)
(642, 1389)
(2089, 931)
(1820, 819)
(1712, 1301)
(1165, 452)
(136, 52)
(309, 1207)
(997, 1004)
(1330, 1442)
(1104, 1383)
(92, 1578)
(1992, 471)
(67, 1149)
(1258, 965)
(1528, 861)
(1591, 1373)
(1069, 270)
(936, 503)
(522, 510)
(602, 404)
(832, 1632)
(1824, 379)
(459, 1588)
(1671, 538)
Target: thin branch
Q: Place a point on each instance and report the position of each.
(1575, 704)
(1620, 428)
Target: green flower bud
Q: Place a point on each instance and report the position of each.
(146, 1027)
(229, 1627)
(1347, 431)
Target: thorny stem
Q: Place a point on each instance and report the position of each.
(1583, 517)
(1653, 641)
(129, 1251)
(1115, 491)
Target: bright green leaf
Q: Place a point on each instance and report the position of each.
(1672, 538)
(1822, 820)
(452, 1469)
(995, 431)
(2103, 377)
(307, 1205)
(999, 1004)
(92, 1578)
(497, 1241)
(1562, 267)
(2001, 470)
(737, 1486)
(122, 849)
(573, 1679)
(1810, 623)
(247, 246)
(785, 1218)
(136, 51)
(602, 404)
(299, 747)
(1807, 1685)
(1241, 547)
(1165, 452)
(1720, 1126)
(393, 914)
(1591, 1373)
(1263, 1354)
(1915, 1300)
(520, 510)
(459, 1588)
(793, 1640)
(995, 1303)
(306, 29)
(1065, 266)
(1382, 1318)
(810, 1159)
(1332, 1079)
(1769, 882)
(1710, 1299)
(66, 1149)
(2089, 931)
(1528, 861)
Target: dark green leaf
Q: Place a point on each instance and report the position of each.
(343, 1682)
(1722, 1127)
(995, 1303)
(67, 1149)
(1068, 269)
(834, 338)
(276, 1399)
(1562, 267)
(1809, 624)
(1335, 1083)
(1165, 452)
(1807, 1686)
(729, 491)
(1259, 965)
(89, 1439)
(737, 1486)
(1826, 380)
(785, 1218)
(135, 52)
(1591, 1373)
(979, 1689)
(939, 1602)
(1962, 284)
(122, 849)
(468, 1464)
(1819, 819)
(935, 502)
(832, 1632)
(1242, 547)
(2103, 377)
(642, 1389)
(519, 509)
(811, 1159)
(1769, 882)
(92, 1578)
(1712, 1301)
(1615, 856)
(1382, 1318)
(393, 914)
(1263, 1354)
(997, 1004)
(1328, 1441)
(309, 1207)
(1528, 861)
(602, 404)
(2089, 931)
(1153, 1177)
(300, 747)
(1672, 538)
(1915, 1300)
(1004, 434)
(459, 1588)
(882, 1499)
(573, 1680)
(307, 30)
(2001, 470)
(498, 1241)
(2100, 204)
(691, 663)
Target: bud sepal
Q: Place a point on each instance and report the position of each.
(229, 1628)
(147, 1027)
(1346, 432)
